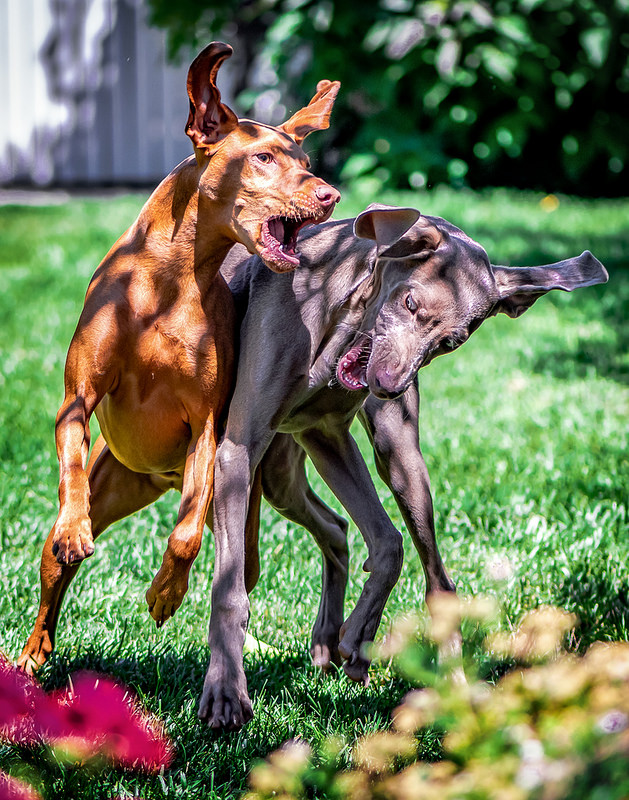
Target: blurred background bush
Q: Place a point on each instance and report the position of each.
(527, 93)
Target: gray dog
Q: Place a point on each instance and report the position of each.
(346, 334)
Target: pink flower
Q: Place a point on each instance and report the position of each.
(12, 789)
(93, 717)
(21, 702)
(97, 716)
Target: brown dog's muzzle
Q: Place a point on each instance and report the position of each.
(279, 232)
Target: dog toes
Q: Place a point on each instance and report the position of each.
(71, 553)
(159, 608)
(357, 670)
(325, 657)
(29, 663)
(224, 709)
(356, 666)
(165, 595)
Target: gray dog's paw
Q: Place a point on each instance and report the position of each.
(356, 665)
(225, 708)
(357, 668)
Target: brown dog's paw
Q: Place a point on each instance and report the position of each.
(29, 662)
(165, 595)
(225, 708)
(72, 543)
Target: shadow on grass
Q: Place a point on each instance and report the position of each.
(290, 698)
(597, 592)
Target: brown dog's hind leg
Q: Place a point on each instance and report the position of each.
(286, 488)
(170, 585)
(115, 492)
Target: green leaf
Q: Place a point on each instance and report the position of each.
(358, 164)
(595, 42)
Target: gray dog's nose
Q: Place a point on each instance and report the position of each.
(385, 384)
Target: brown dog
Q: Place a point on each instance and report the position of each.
(153, 352)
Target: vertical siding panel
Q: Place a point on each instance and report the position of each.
(6, 161)
(106, 105)
(21, 76)
(145, 106)
(117, 111)
(130, 128)
(177, 145)
(126, 133)
(43, 166)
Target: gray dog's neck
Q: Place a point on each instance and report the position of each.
(335, 265)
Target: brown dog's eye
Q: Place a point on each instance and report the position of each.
(410, 303)
(264, 158)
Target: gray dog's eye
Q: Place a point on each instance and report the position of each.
(410, 303)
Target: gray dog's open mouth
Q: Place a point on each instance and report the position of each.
(351, 371)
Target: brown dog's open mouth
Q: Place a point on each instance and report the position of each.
(279, 237)
(351, 371)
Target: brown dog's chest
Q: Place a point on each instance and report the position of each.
(172, 370)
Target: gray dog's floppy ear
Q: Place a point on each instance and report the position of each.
(519, 287)
(209, 120)
(384, 224)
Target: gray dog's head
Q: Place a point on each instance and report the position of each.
(432, 287)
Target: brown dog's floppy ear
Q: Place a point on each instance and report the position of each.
(316, 115)
(519, 287)
(384, 224)
(209, 120)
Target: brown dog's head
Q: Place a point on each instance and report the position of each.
(259, 174)
(432, 287)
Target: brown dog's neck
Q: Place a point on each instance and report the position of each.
(187, 234)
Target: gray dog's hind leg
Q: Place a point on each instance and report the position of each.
(393, 427)
(286, 488)
(340, 463)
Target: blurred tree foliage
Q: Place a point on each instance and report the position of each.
(527, 93)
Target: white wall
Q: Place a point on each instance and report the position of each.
(86, 95)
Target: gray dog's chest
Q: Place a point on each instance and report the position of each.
(327, 407)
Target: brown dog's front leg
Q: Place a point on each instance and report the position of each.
(115, 492)
(170, 585)
(72, 538)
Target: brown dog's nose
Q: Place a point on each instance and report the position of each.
(327, 195)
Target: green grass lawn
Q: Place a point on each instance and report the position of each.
(524, 430)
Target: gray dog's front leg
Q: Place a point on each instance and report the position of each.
(225, 702)
(341, 465)
(393, 427)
